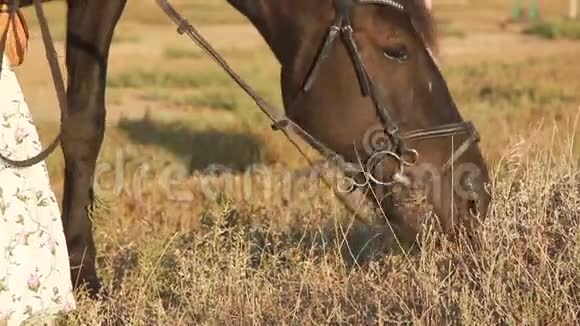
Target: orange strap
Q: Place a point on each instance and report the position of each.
(14, 35)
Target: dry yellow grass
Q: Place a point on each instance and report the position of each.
(282, 252)
(272, 246)
(266, 260)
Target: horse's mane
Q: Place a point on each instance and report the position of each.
(423, 21)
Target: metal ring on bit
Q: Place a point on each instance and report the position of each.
(380, 157)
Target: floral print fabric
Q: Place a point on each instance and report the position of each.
(34, 267)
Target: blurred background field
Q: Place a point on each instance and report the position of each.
(243, 260)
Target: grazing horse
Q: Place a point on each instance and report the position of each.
(388, 45)
(381, 79)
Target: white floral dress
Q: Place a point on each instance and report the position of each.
(34, 267)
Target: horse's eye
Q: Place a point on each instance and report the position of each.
(398, 53)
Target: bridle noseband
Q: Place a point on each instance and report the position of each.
(396, 148)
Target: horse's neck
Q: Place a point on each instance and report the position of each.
(249, 8)
(275, 22)
(293, 31)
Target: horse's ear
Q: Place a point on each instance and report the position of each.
(14, 34)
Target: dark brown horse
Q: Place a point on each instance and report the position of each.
(394, 47)
(389, 85)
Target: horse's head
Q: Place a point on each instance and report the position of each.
(352, 99)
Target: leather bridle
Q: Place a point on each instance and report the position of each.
(396, 148)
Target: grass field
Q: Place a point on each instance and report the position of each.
(270, 245)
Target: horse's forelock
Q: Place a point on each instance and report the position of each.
(422, 20)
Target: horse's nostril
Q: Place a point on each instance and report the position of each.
(472, 207)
